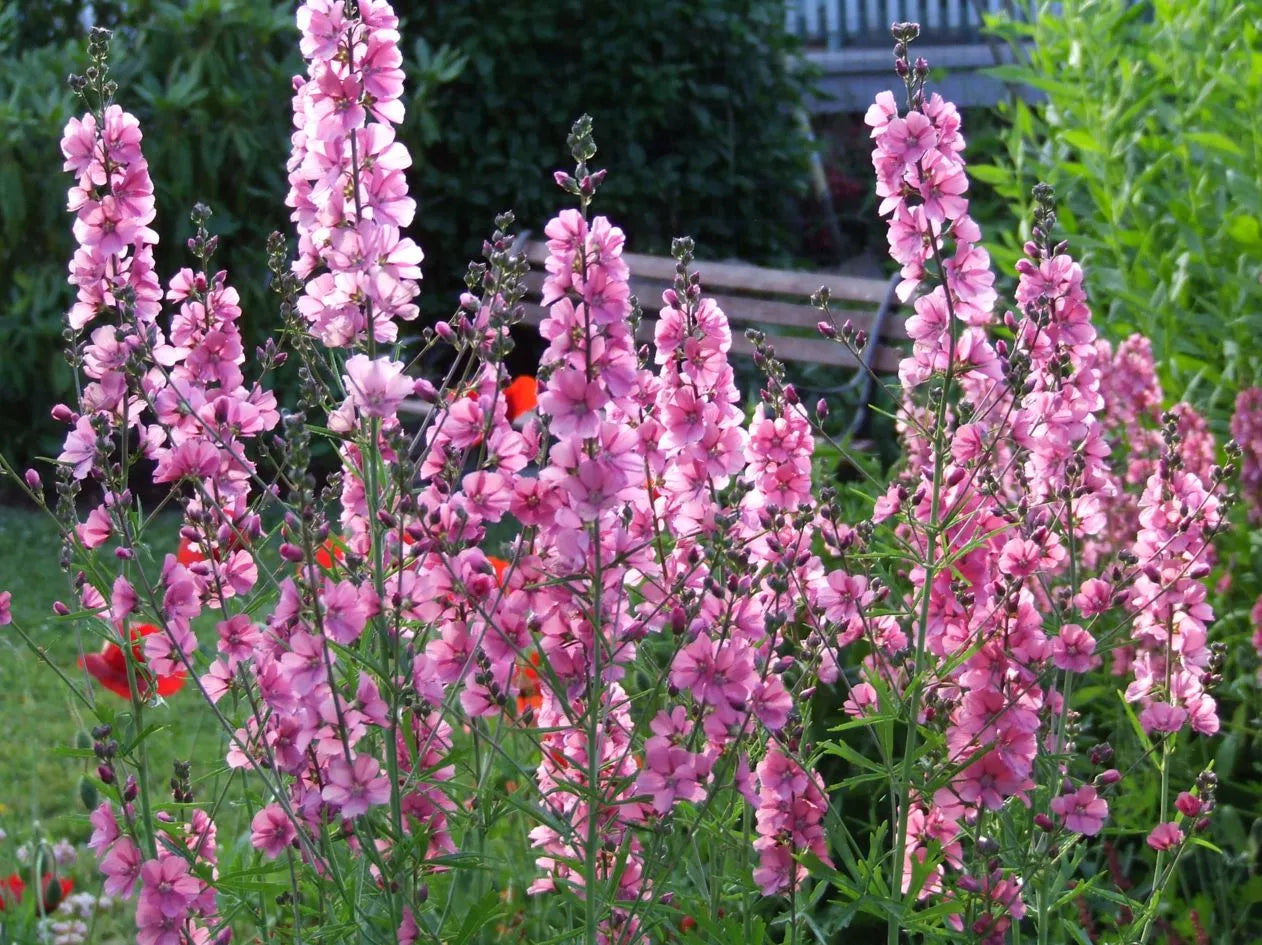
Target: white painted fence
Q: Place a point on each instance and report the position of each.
(835, 24)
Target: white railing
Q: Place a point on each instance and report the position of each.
(836, 24)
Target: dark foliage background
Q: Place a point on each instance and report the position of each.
(695, 104)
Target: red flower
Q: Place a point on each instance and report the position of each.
(521, 396)
(109, 667)
(328, 552)
(500, 566)
(529, 695)
(12, 888)
(188, 553)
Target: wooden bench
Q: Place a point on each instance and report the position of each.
(775, 301)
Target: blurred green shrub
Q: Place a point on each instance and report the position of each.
(1152, 135)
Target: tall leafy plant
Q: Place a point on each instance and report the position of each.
(1149, 128)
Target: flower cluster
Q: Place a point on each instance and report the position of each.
(1246, 429)
(346, 175)
(1009, 490)
(672, 588)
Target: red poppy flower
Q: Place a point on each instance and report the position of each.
(328, 552)
(500, 566)
(187, 552)
(109, 668)
(529, 695)
(12, 888)
(521, 396)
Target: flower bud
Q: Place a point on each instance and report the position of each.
(88, 794)
(291, 552)
(1105, 778)
(63, 414)
(1188, 804)
(60, 609)
(105, 773)
(1043, 822)
(425, 391)
(33, 481)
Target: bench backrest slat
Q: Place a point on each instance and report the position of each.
(744, 278)
(757, 297)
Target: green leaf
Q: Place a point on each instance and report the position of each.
(1216, 141)
(1245, 230)
(990, 174)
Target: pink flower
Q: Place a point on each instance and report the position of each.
(104, 828)
(1189, 805)
(346, 611)
(881, 112)
(1165, 836)
(909, 138)
(155, 927)
(377, 387)
(1084, 810)
(6, 608)
(573, 402)
(1094, 598)
(671, 775)
(353, 788)
(1019, 558)
(121, 866)
(195, 458)
(714, 674)
(80, 448)
(408, 929)
(168, 886)
(1073, 649)
(272, 831)
(1162, 717)
(97, 529)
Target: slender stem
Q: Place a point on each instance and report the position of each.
(933, 533)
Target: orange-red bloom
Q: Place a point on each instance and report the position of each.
(13, 887)
(500, 566)
(109, 668)
(529, 695)
(521, 396)
(187, 552)
(328, 552)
